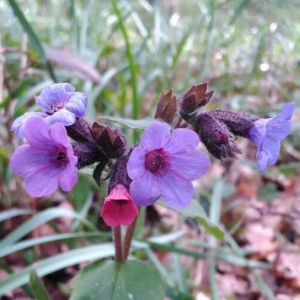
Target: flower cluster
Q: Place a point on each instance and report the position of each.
(162, 166)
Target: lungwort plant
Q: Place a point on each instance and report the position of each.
(161, 166)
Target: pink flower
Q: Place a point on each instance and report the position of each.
(118, 207)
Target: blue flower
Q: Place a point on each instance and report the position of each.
(266, 134)
(59, 102)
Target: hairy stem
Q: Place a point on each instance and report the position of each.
(118, 244)
(128, 239)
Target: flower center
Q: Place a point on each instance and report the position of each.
(61, 158)
(54, 109)
(156, 161)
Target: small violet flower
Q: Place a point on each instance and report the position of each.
(164, 164)
(47, 161)
(118, 207)
(266, 134)
(59, 102)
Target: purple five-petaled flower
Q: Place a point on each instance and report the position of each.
(59, 102)
(164, 164)
(47, 161)
(266, 134)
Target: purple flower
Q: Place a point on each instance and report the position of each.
(19, 124)
(164, 164)
(59, 102)
(266, 134)
(48, 161)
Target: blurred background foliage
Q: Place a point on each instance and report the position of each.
(124, 54)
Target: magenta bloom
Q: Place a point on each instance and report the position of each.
(118, 207)
(59, 102)
(47, 161)
(266, 134)
(164, 164)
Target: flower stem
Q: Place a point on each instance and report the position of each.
(128, 239)
(118, 244)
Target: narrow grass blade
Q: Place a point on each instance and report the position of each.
(238, 11)
(131, 61)
(57, 262)
(48, 239)
(14, 212)
(38, 288)
(38, 220)
(37, 45)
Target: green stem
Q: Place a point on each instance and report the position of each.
(118, 244)
(128, 239)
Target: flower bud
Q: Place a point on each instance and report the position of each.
(110, 140)
(238, 123)
(80, 131)
(166, 107)
(87, 154)
(194, 98)
(216, 136)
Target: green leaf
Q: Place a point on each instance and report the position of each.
(132, 280)
(141, 124)
(38, 289)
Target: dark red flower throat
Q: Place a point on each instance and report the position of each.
(61, 157)
(156, 160)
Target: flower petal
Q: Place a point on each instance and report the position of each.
(116, 213)
(145, 190)
(136, 163)
(182, 139)
(272, 148)
(118, 207)
(278, 128)
(19, 124)
(258, 131)
(58, 134)
(288, 110)
(262, 160)
(62, 116)
(176, 192)
(42, 183)
(68, 178)
(37, 134)
(54, 95)
(190, 165)
(77, 104)
(26, 161)
(155, 136)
